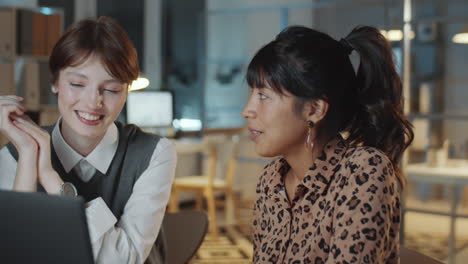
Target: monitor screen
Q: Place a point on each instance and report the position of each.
(150, 108)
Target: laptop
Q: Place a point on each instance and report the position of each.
(41, 228)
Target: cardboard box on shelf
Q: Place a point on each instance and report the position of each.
(7, 82)
(48, 116)
(39, 24)
(7, 33)
(32, 86)
(36, 85)
(54, 26)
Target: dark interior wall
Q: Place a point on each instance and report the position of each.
(183, 50)
(184, 35)
(130, 15)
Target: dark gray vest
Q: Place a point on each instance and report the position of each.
(131, 159)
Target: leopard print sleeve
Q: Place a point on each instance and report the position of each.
(366, 222)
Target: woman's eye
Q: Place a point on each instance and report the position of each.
(262, 96)
(111, 91)
(76, 84)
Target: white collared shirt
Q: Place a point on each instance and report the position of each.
(99, 159)
(129, 239)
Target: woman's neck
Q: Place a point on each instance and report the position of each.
(82, 145)
(301, 160)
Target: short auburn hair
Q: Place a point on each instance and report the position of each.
(103, 38)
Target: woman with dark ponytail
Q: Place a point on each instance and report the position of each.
(333, 195)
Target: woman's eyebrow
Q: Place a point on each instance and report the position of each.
(86, 77)
(112, 81)
(76, 73)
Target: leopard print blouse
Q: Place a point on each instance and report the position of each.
(346, 210)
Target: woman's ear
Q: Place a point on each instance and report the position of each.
(315, 110)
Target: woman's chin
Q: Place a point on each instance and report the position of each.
(265, 153)
(83, 131)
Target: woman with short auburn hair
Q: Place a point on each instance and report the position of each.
(124, 174)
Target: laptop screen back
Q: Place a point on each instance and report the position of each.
(41, 228)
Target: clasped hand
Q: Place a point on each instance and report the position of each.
(32, 144)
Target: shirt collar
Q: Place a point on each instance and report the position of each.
(320, 173)
(101, 156)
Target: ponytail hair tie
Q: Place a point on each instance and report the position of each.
(346, 46)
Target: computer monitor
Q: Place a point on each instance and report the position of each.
(150, 108)
(41, 228)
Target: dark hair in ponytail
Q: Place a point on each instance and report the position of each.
(380, 121)
(368, 105)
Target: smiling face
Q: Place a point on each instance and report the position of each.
(274, 125)
(89, 100)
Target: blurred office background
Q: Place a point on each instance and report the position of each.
(193, 57)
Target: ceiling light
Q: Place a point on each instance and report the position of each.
(461, 37)
(138, 84)
(395, 34)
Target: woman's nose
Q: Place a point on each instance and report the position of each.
(248, 111)
(95, 100)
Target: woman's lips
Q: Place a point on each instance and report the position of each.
(254, 134)
(88, 118)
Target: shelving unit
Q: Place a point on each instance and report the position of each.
(425, 82)
(28, 36)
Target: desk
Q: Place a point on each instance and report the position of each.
(453, 174)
